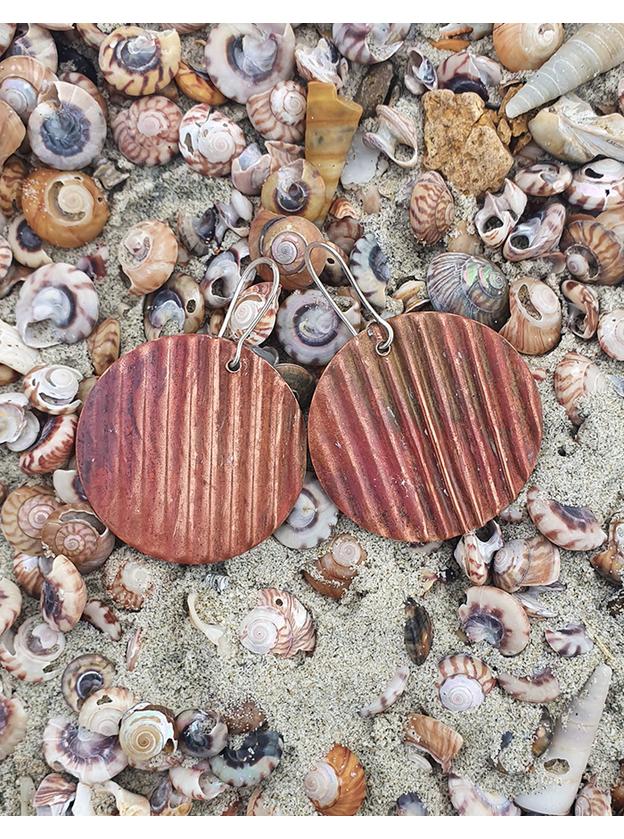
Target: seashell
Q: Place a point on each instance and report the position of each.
(24, 513)
(13, 132)
(201, 733)
(138, 61)
(583, 308)
(536, 235)
(284, 239)
(434, 738)
(302, 383)
(474, 555)
(334, 571)
(67, 209)
(343, 233)
(413, 295)
(126, 803)
(369, 266)
(244, 716)
(592, 801)
(573, 528)
(470, 286)
(223, 276)
(526, 562)
(283, 153)
(148, 254)
(295, 189)
(594, 49)
(147, 132)
(103, 345)
(67, 486)
(570, 641)
(31, 39)
(394, 130)
(463, 682)
(196, 782)
(537, 689)
(610, 563)
(250, 170)
(197, 232)
(94, 265)
(571, 744)
(28, 574)
(229, 216)
(575, 378)
(529, 599)
(25, 244)
(420, 74)
(128, 584)
(209, 141)
(28, 653)
(322, 63)
(534, 326)
(167, 801)
(75, 531)
(135, 642)
(331, 121)
(214, 632)
(22, 79)
(54, 796)
(336, 784)
(10, 604)
(12, 177)
(244, 59)
(611, 334)
(369, 43)
(146, 730)
(259, 806)
(63, 595)
(246, 310)
(469, 799)
(418, 631)
(53, 448)
(389, 695)
(493, 616)
(85, 675)
(86, 84)
(597, 186)
(593, 252)
(67, 128)
(19, 428)
(102, 617)
(311, 520)
(465, 72)
(52, 388)
(432, 210)
(7, 31)
(178, 306)
(8, 376)
(279, 113)
(90, 757)
(256, 759)
(544, 179)
(409, 804)
(195, 83)
(13, 352)
(279, 625)
(526, 46)
(495, 221)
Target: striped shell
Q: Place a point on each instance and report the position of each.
(432, 210)
(63, 595)
(474, 555)
(534, 325)
(210, 141)
(526, 562)
(28, 653)
(597, 186)
(575, 378)
(103, 345)
(611, 334)
(279, 114)
(10, 604)
(75, 531)
(13, 724)
(336, 785)
(312, 519)
(279, 625)
(463, 682)
(146, 730)
(333, 572)
(138, 61)
(583, 308)
(544, 178)
(128, 583)
(470, 286)
(592, 801)
(53, 448)
(569, 641)
(389, 695)
(573, 528)
(12, 177)
(147, 132)
(148, 254)
(246, 311)
(24, 513)
(52, 388)
(610, 562)
(433, 737)
(540, 688)
(594, 254)
(493, 616)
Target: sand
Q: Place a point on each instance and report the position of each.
(313, 701)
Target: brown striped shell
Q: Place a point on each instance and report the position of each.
(537, 235)
(246, 310)
(463, 682)
(52, 388)
(75, 531)
(196, 84)
(209, 141)
(6, 257)
(433, 737)
(147, 132)
(336, 785)
(22, 78)
(432, 210)
(12, 177)
(24, 513)
(333, 572)
(496, 219)
(534, 325)
(279, 113)
(102, 617)
(594, 254)
(494, 616)
(148, 254)
(583, 308)
(53, 796)
(28, 574)
(279, 625)
(573, 528)
(53, 448)
(418, 631)
(597, 186)
(63, 595)
(575, 378)
(34, 40)
(537, 689)
(475, 550)
(103, 345)
(544, 178)
(569, 641)
(592, 801)
(138, 61)
(128, 582)
(610, 562)
(526, 562)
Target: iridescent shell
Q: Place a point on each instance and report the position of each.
(22, 79)
(147, 132)
(534, 325)
(573, 528)
(389, 695)
(103, 345)
(544, 178)
(279, 113)
(322, 63)
(570, 641)
(369, 266)
(597, 186)
(63, 595)
(583, 308)
(178, 306)
(594, 254)
(29, 652)
(128, 583)
(310, 330)
(148, 254)
(12, 177)
(138, 61)
(474, 555)
(209, 141)
(246, 310)
(434, 738)
(90, 757)
(432, 210)
(257, 758)
(470, 800)
(53, 447)
(13, 724)
(493, 616)
(250, 170)
(13, 131)
(76, 532)
(463, 682)
(537, 235)
(470, 286)
(526, 562)
(592, 801)
(85, 675)
(611, 334)
(499, 214)
(395, 130)
(336, 784)
(610, 562)
(537, 689)
(526, 46)
(146, 730)
(575, 378)
(279, 625)
(369, 43)
(201, 733)
(284, 239)
(52, 388)
(24, 513)
(333, 572)
(418, 632)
(295, 189)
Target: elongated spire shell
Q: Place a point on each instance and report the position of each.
(596, 48)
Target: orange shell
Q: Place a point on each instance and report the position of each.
(433, 737)
(13, 131)
(11, 182)
(197, 87)
(351, 783)
(265, 230)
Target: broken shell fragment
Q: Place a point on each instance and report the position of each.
(201, 733)
(10, 604)
(534, 325)
(610, 563)
(336, 784)
(90, 757)
(597, 186)
(611, 334)
(544, 178)
(54, 796)
(52, 388)
(369, 43)
(471, 800)
(28, 653)
(103, 709)
(474, 555)
(389, 695)
(418, 632)
(537, 689)
(312, 519)
(494, 616)
(102, 617)
(63, 595)
(334, 571)
(573, 528)
(322, 63)
(463, 682)
(103, 345)
(53, 448)
(537, 235)
(129, 583)
(197, 782)
(583, 308)
(257, 758)
(570, 641)
(592, 801)
(433, 737)
(526, 562)
(409, 804)
(394, 130)
(575, 378)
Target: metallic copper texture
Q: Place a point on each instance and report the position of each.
(432, 440)
(186, 461)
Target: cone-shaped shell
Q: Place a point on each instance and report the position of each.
(433, 737)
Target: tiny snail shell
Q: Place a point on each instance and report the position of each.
(526, 562)
(300, 381)
(432, 210)
(90, 757)
(22, 79)
(470, 286)
(526, 46)
(474, 555)
(593, 252)
(10, 604)
(54, 796)
(611, 334)
(333, 572)
(493, 616)
(369, 43)
(146, 730)
(24, 513)
(63, 595)
(67, 129)
(25, 244)
(295, 189)
(147, 132)
(53, 448)
(67, 209)
(246, 310)
(420, 74)
(573, 528)
(470, 800)
(13, 724)
(592, 801)
(534, 326)
(463, 682)
(12, 177)
(311, 520)
(201, 733)
(418, 632)
(279, 625)
(544, 178)
(222, 277)
(75, 531)
(536, 235)
(309, 329)
(102, 617)
(570, 641)
(138, 61)
(128, 583)
(197, 232)
(583, 308)
(540, 688)
(243, 716)
(28, 653)
(103, 345)
(279, 114)
(210, 141)
(85, 675)
(496, 219)
(250, 170)
(391, 692)
(413, 295)
(610, 562)
(434, 738)
(28, 574)
(196, 84)
(33, 40)
(395, 130)
(257, 758)
(575, 378)
(178, 306)
(284, 239)
(369, 266)
(322, 63)
(597, 186)
(52, 388)
(13, 131)
(336, 784)
(148, 254)
(409, 804)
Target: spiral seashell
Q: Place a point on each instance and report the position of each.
(336, 784)
(75, 531)
(311, 520)
(431, 208)
(10, 604)
(575, 378)
(300, 381)
(465, 72)
(369, 266)
(470, 286)
(333, 572)
(53, 448)
(250, 170)
(201, 733)
(103, 345)
(500, 213)
(279, 625)
(322, 63)
(597, 186)
(197, 782)
(28, 653)
(284, 239)
(12, 177)
(420, 74)
(31, 39)
(54, 796)
(391, 692)
(470, 800)
(52, 388)
(63, 595)
(147, 132)
(282, 153)
(223, 276)
(611, 334)
(596, 48)
(583, 308)
(610, 562)
(85, 675)
(67, 209)
(247, 308)
(209, 141)
(89, 86)
(24, 513)
(394, 130)
(493, 616)
(102, 617)
(229, 216)
(167, 801)
(257, 758)
(526, 46)
(25, 244)
(592, 801)
(90, 757)
(28, 574)
(536, 235)
(197, 232)
(13, 131)
(434, 738)
(295, 189)
(526, 562)
(148, 254)
(244, 59)
(279, 114)
(474, 555)
(146, 730)
(13, 724)
(138, 61)
(178, 306)
(343, 232)
(573, 528)
(369, 43)
(22, 79)
(544, 179)
(128, 583)
(196, 84)
(463, 682)
(7, 31)
(534, 326)
(570, 641)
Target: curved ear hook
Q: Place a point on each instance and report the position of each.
(233, 365)
(382, 347)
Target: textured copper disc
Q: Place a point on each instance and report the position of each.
(185, 461)
(432, 440)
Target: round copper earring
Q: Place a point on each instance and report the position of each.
(191, 451)
(423, 427)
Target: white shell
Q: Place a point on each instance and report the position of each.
(389, 695)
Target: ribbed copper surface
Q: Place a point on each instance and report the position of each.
(432, 440)
(185, 461)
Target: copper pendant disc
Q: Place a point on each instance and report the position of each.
(185, 461)
(432, 440)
